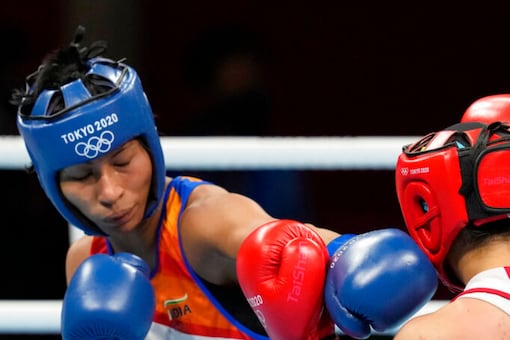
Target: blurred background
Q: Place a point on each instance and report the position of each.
(258, 68)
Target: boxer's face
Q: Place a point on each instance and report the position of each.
(112, 190)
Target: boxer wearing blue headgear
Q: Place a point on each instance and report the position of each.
(217, 264)
(99, 112)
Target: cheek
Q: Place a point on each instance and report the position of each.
(141, 175)
(75, 193)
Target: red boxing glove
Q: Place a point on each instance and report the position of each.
(281, 267)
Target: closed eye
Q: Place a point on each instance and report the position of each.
(78, 176)
(121, 164)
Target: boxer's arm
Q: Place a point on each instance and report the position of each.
(77, 252)
(213, 226)
(215, 223)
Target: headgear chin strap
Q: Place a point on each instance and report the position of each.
(451, 178)
(88, 127)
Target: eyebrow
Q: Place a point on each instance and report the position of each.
(119, 149)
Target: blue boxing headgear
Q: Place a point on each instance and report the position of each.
(89, 126)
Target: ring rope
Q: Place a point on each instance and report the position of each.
(235, 153)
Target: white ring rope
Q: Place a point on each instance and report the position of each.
(234, 153)
(217, 153)
(30, 316)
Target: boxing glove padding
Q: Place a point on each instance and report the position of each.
(377, 280)
(281, 268)
(108, 297)
(337, 242)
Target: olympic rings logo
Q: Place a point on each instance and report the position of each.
(404, 171)
(95, 145)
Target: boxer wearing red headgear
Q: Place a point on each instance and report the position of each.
(453, 188)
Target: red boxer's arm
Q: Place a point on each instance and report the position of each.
(281, 268)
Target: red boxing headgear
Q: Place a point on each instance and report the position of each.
(489, 109)
(451, 178)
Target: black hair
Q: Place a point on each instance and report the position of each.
(473, 237)
(60, 67)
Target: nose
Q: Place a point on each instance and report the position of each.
(109, 188)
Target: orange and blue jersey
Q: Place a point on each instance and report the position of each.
(185, 309)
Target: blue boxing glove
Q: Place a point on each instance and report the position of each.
(109, 297)
(376, 281)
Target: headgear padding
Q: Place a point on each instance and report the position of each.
(88, 127)
(451, 178)
(489, 109)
